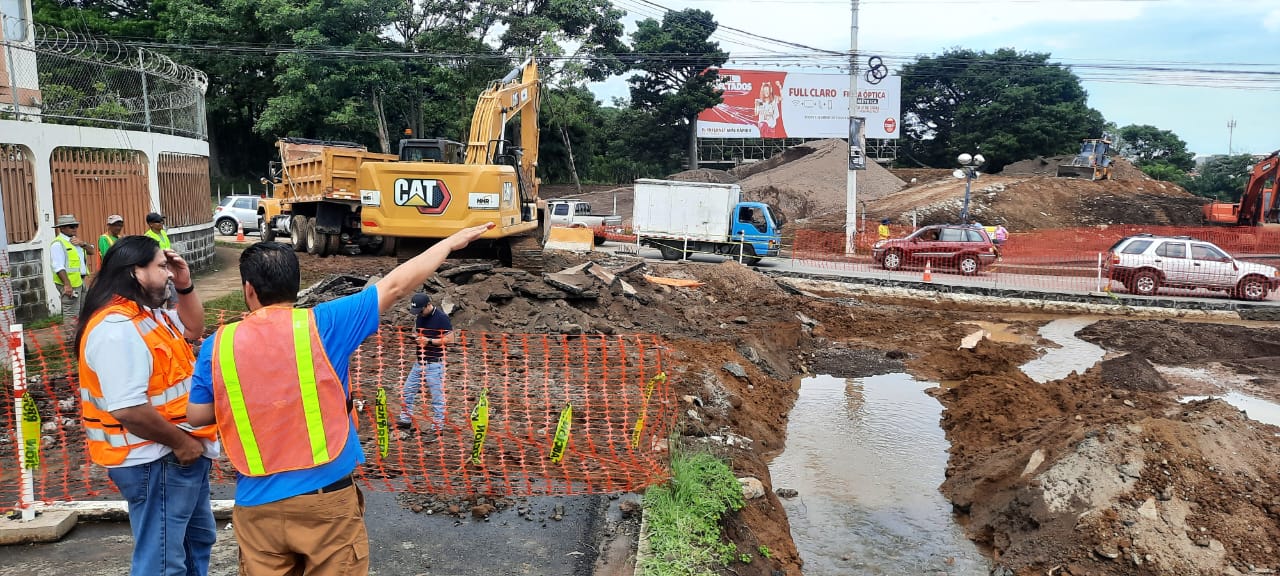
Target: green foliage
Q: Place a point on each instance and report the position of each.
(1222, 178)
(1007, 105)
(675, 90)
(764, 551)
(1165, 172)
(684, 517)
(1146, 145)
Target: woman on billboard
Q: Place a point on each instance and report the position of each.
(769, 110)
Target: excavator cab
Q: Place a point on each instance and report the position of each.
(1092, 162)
(431, 150)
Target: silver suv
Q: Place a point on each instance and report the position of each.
(1145, 263)
(235, 211)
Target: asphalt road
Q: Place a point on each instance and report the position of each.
(402, 543)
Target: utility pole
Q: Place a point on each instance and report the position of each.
(851, 196)
(1231, 136)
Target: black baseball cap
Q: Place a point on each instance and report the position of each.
(418, 302)
(155, 217)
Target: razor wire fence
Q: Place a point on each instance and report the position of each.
(62, 77)
(524, 414)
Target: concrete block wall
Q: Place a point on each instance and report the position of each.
(26, 270)
(196, 246)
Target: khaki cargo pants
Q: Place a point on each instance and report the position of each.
(312, 534)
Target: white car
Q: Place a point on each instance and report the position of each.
(1145, 263)
(235, 211)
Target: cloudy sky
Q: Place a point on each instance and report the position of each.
(1199, 39)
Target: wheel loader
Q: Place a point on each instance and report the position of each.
(1092, 161)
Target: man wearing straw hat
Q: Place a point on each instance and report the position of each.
(69, 263)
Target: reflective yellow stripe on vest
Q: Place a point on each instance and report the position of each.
(306, 386)
(74, 264)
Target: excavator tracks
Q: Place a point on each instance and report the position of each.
(526, 254)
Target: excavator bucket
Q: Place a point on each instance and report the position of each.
(1072, 171)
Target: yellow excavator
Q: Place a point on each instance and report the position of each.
(334, 196)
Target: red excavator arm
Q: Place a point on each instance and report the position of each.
(1261, 200)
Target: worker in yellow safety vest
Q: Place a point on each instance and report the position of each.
(283, 416)
(68, 259)
(155, 229)
(115, 226)
(135, 369)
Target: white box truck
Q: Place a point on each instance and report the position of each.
(680, 218)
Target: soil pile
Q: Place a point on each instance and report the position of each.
(1121, 169)
(704, 175)
(1102, 473)
(919, 176)
(814, 184)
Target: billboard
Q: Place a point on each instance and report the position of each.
(772, 104)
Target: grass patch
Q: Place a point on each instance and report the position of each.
(45, 322)
(684, 515)
(231, 302)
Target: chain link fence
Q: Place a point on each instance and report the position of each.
(63, 77)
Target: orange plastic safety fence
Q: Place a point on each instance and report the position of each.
(613, 439)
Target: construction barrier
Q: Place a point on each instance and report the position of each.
(571, 239)
(525, 414)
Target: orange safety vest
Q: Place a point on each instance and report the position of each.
(172, 364)
(294, 415)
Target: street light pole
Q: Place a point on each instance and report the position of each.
(969, 164)
(851, 195)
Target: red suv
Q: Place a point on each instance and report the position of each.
(966, 248)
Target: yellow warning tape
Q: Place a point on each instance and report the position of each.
(561, 440)
(644, 408)
(382, 422)
(479, 425)
(30, 433)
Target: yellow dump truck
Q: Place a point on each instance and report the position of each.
(333, 196)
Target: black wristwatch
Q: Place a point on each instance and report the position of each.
(187, 290)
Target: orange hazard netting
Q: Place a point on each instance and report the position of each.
(1058, 260)
(566, 414)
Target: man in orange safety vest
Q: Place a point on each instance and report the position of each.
(276, 385)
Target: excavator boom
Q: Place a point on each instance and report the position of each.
(1260, 202)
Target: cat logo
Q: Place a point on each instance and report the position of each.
(427, 195)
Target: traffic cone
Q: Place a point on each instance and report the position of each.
(240, 232)
(928, 270)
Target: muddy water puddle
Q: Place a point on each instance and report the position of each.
(1072, 354)
(866, 456)
(1257, 409)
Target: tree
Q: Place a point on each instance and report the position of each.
(1222, 178)
(1147, 145)
(677, 65)
(1007, 105)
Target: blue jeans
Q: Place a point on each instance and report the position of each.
(169, 515)
(433, 372)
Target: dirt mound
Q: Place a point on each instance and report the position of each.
(1132, 372)
(1170, 343)
(1121, 169)
(1094, 474)
(1023, 203)
(704, 175)
(921, 175)
(813, 183)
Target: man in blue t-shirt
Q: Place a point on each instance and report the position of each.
(277, 517)
(432, 330)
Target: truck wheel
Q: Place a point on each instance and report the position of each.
(298, 233)
(388, 246)
(267, 232)
(332, 243)
(669, 252)
(968, 265)
(315, 240)
(599, 240)
(1251, 288)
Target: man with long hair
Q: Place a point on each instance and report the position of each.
(276, 384)
(135, 374)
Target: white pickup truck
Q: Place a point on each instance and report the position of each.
(577, 214)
